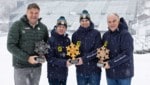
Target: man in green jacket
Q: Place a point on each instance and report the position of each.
(22, 37)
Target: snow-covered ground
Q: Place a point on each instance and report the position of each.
(142, 69)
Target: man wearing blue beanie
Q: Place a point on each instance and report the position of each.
(58, 61)
(89, 39)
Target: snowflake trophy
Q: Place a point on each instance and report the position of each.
(41, 48)
(102, 54)
(73, 52)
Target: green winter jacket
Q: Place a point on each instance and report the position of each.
(21, 41)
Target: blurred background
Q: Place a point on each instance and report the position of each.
(136, 13)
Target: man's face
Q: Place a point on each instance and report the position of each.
(113, 22)
(33, 15)
(61, 29)
(85, 23)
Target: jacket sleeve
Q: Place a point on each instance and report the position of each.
(74, 38)
(126, 51)
(46, 34)
(51, 59)
(13, 42)
(92, 55)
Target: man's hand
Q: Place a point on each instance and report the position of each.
(32, 60)
(100, 61)
(68, 63)
(80, 61)
(106, 65)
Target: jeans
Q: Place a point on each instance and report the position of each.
(126, 81)
(27, 76)
(91, 79)
(56, 82)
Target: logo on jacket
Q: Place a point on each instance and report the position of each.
(27, 28)
(38, 28)
(59, 48)
(23, 31)
(78, 43)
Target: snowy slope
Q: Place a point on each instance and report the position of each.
(142, 68)
(98, 9)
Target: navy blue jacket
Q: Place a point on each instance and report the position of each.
(120, 44)
(57, 58)
(89, 40)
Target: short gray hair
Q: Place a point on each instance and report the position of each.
(114, 14)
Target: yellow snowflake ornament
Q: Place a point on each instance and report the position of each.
(73, 50)
(103, 52)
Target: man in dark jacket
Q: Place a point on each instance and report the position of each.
(89, 40)
(22, 37)
(57, 60)
(119, 69)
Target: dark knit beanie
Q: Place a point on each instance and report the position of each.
(62, 21)
(85, 15)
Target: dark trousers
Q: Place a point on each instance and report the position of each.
(91, 79)
(56, 82)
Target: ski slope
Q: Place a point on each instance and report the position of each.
(142, 69)
(51, 10)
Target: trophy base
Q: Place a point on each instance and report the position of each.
(100, 65)
(40, 59)
(74, 61)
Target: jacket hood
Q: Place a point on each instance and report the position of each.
(123, 25)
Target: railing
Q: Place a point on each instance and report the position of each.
(141, 44)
